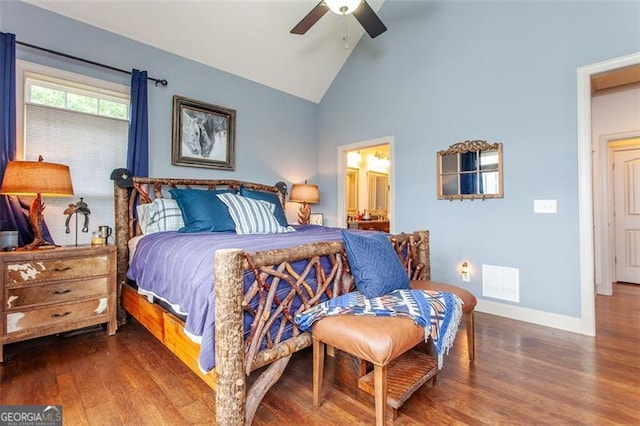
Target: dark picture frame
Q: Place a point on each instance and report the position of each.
(204, 135)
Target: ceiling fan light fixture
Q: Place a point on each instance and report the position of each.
(360, 9)
(342, 7)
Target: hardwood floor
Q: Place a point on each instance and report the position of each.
(523, 374)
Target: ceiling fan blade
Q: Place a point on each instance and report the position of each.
(369, 20)
(311, 18)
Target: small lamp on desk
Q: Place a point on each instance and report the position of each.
(306, 194)
(37, 178)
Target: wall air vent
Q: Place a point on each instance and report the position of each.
(501, 282)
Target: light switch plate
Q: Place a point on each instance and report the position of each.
(545, 206)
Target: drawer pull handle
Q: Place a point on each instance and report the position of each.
(61, 268)
(61, 291)
(61, 315)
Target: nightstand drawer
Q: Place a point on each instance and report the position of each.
(30, 320)
(57, 292)
(56, 269)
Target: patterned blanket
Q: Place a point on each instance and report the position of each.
(438, 312)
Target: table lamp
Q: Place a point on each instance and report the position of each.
(37, 178)
(306, 194)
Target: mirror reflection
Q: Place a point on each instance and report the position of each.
(378, 193)
(352, 190)
(470, 170)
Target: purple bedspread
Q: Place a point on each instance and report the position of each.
(178, 268)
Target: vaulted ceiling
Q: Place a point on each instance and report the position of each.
(248, 38)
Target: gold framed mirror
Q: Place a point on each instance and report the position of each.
(378, 193)
(352, 190)
(470, 170)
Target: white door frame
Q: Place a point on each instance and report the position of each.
(341, 214)
(603, 204)
(585, 186)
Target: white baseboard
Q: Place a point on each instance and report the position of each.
(547, 319)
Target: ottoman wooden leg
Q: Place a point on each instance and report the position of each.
(470, 336)
(380, 385)
(318, 370)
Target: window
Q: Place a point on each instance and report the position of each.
(43, 91)
(83, 123)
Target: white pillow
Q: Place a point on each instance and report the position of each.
(164, 215)
(252, 216)
(143, 216)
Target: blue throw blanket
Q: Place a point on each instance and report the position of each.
(438, 312)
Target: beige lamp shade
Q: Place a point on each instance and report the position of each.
(40, 179)
(305, 193)
(37, 177)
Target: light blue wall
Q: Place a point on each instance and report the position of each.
(276, 132)
(446, 72)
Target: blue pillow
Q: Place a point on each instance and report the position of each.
(272, 198)
(374, 263)
(202, 211)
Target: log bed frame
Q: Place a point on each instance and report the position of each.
(235, 357)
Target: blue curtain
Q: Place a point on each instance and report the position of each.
(14, 213)
(7, 98)
(138, 148)
(469, 176)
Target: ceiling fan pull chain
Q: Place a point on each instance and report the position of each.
(345, 32)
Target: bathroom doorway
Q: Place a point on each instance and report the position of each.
(366, 196)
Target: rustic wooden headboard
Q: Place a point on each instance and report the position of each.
(145, 189)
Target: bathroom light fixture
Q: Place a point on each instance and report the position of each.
(353, 159)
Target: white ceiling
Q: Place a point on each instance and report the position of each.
(244, 37)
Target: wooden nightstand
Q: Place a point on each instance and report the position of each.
(48, 291)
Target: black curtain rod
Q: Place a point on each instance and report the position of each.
(163, 82)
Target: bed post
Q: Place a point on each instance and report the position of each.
(231, 394)
(423, 254)
(121, 236)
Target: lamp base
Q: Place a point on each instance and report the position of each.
(35, 219)
(39, 245)
(304, 214)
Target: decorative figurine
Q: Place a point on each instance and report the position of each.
(74, 209)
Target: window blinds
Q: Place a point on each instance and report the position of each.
(92, 146)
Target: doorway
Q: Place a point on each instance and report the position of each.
(366, 185)
(605, 193)
(586, 191)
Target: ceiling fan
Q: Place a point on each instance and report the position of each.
(360, 9)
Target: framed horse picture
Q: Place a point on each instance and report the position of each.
(204, 135)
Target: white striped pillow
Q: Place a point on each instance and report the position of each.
(252, 216)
